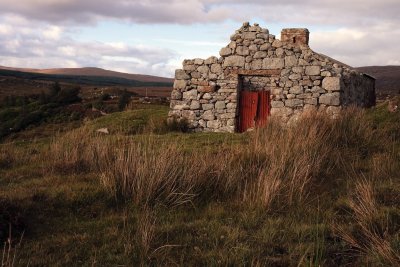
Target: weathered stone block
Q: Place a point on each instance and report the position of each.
(273, 63)
(277, 104)
(207, 106)
(311, 101)
(318, 89)
(189, 67)
(234, 61)
(207, 96)
(231, 106)
(295, 76)
(220, 105)
(331, 83)
(290, 61)
(253, 48)
(294, 103)
(265, 47)
(215, 124)
(304, 96)
(180, 84)
(205, 89)
(277, 43)
(198, 61)
(249, 35)
(228, 115)
(188, 114)
(313, 70)
(211, 60)
(196, 75)
(176, 95)
(256, 64)
(208, 115)
(181, 75)
(192, 94)
(333, 111)
(330, 99)
(226, 51)
(297, 69)
(279, 52)
(216, 68)
(276, 91)
(260, 54)
(195, 105)
(242, 50)
(296, 90)
(230, 122)
(284, 111)
(181, 107)
(203, 69)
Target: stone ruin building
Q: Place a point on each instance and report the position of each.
(258, 76)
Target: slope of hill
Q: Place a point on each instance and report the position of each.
(90, 71)
(82, 79)
(387, 78)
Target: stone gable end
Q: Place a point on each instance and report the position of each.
(207, 91)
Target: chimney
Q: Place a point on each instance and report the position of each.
(295, 36)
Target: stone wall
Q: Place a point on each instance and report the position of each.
(206, 92)
(358, 90)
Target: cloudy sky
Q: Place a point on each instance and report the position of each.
(154, 36)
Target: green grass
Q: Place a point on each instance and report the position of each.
(71, 218)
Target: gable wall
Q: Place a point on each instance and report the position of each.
(206, 91)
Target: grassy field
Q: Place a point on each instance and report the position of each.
(322, 193)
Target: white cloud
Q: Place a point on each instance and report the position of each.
(52, 32)
(360, 46)
(38, 33)
(328, 12)
(50, 47)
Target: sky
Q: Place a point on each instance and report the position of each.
(154, 36)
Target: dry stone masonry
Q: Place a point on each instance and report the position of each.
(207, 91)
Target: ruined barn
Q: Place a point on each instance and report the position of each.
(257, 76)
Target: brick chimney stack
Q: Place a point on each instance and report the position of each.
(296, 36)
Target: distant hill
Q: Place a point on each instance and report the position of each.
(387, 78)
(17, 81)
(93, 72)
(83, 79)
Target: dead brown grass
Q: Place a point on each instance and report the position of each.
(370, 233)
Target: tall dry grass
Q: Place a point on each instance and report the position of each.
(10, 250)
(370, 233)
(11, 155)
(276, 165)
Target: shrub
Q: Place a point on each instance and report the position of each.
(173, 124)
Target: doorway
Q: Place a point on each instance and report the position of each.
(254, 109)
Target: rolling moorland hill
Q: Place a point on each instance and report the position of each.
(387, 78)
(91, 71)
(21, 82)
(27, 81)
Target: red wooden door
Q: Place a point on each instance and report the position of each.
(263, 108)
(247, 110)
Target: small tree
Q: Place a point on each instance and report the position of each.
(55, 89)
(68, 96)
(123, 100)
(43, 99)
